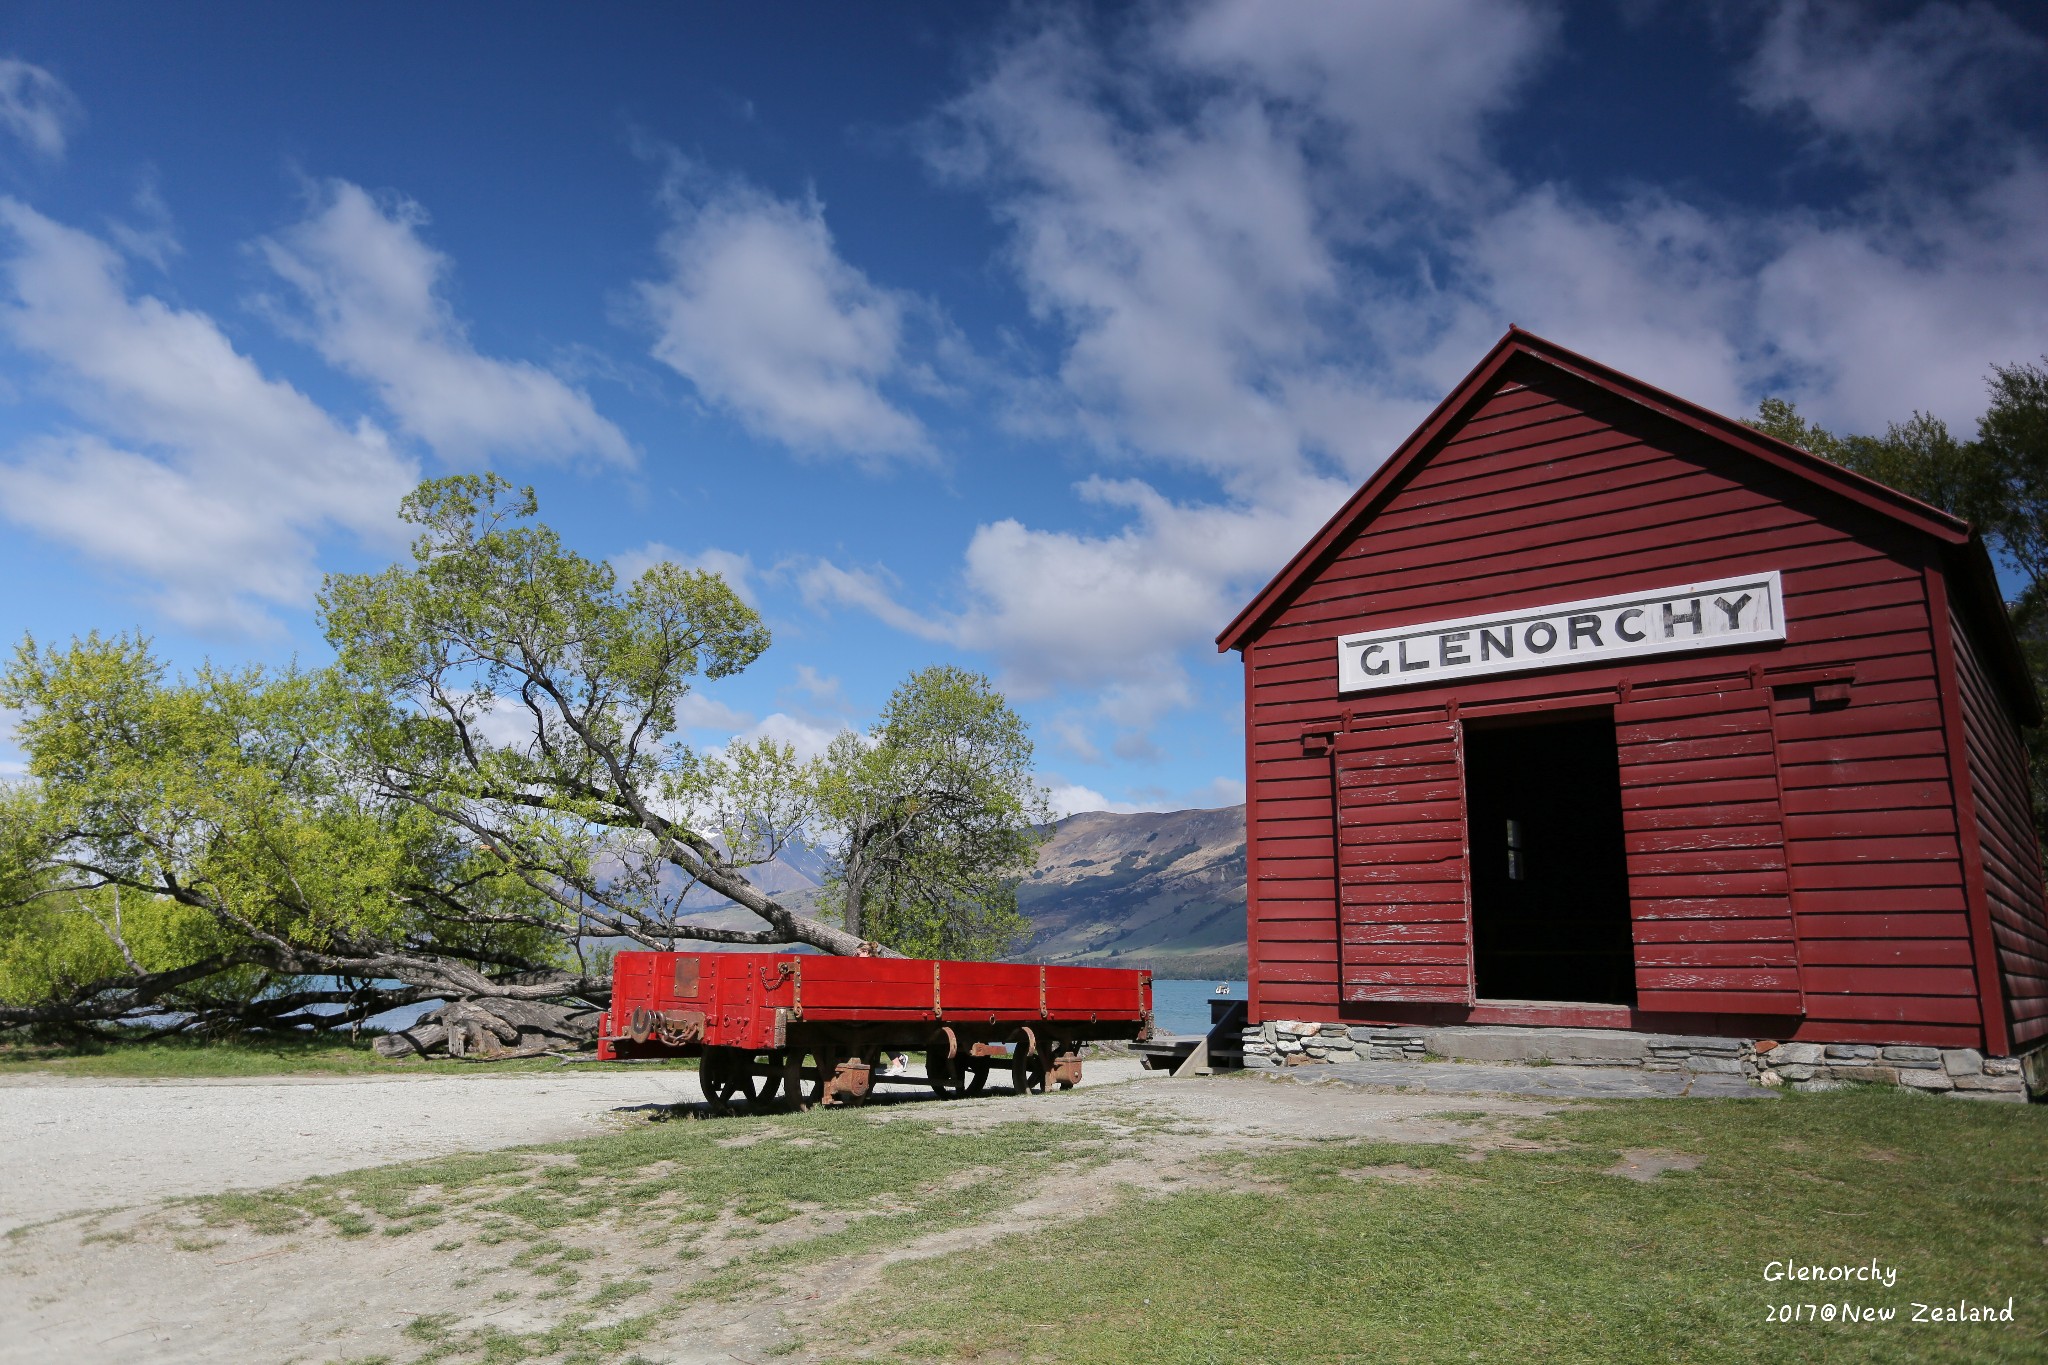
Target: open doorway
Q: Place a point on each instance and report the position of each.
(1549, 881)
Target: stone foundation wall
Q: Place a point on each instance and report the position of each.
(1961, 1072)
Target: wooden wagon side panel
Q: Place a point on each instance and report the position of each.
(1402, 866)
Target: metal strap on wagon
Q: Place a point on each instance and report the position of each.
(794, 971)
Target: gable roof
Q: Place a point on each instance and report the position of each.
(1971, 570)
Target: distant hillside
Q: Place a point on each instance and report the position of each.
(1163, 890)
(1160, 890)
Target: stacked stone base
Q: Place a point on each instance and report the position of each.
(1963, 1073)
(1960, 1071)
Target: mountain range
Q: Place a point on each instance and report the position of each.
(1163, 890)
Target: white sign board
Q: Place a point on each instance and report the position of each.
(1728, 611)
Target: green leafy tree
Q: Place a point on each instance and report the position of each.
(2013, 439)
(1919, 457)
(527, 699)
(932, 817)
(197, 846)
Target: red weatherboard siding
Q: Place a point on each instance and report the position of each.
(2000, 786)
(1752, 814)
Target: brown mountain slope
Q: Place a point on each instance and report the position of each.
(1163, 890)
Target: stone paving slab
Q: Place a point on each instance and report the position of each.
(1548, 1082)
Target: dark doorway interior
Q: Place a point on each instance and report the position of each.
(1549, 884)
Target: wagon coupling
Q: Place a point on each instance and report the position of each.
(849, 1083)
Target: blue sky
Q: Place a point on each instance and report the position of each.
(1030, 338)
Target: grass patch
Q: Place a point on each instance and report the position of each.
(1533, 1254)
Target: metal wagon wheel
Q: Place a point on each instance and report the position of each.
(1027, 1067)
(973, 1075)
(805, 1069)
(725, 1072)
(771, 1084)
(945, 1064)
(789, 1069)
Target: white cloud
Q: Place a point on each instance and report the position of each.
(373, 297)
(808, 737)
(699, 712)
(151, 235)
(1409, 85)
(735, 568)
(502, 722)
(37, 108)
(1653, 286)
(1071, 798)
(821, 688)
(759, 312)
(1877, 87)
(1070, 731)
(825, 583)
(1876, 324)
(1183, 264)
(204, 478)
(13, 762)
(1059, 608)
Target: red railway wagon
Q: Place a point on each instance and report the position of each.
(810, 1029)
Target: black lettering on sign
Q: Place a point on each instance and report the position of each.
(1502, 644)
(1583, 626)
(1365, 660)
(1410, 665)
(1735, 611)
(1672, 620)
(1451, 648)
(1621, 629)
(1546, 643)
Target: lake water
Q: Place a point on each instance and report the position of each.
(1183, 1006)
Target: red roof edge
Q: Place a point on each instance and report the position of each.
(1889, 502)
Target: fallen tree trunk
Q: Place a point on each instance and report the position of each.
(494, 1029)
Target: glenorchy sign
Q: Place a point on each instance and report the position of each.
(1716, 615)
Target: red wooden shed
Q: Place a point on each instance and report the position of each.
(1595, 708)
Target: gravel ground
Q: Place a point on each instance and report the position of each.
(73, 1143)
(78, 1144)
(127, 1288)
